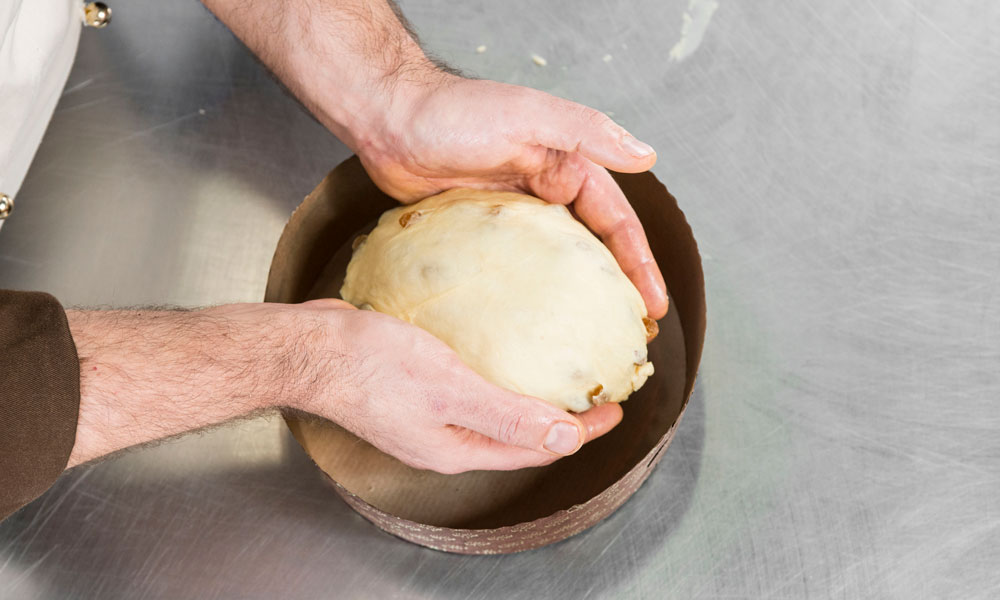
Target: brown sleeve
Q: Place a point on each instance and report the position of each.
(39, 396)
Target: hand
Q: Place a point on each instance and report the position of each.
(408, 394)
(447, 132)
(419, 130)
(147, 375)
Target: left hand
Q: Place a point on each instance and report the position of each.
(450, 132)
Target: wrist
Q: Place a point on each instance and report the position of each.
(368, 114)
(257, 354)
(352, 63)
(316, 361)
(388, 134)
(359, 86)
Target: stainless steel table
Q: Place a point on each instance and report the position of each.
(840, 164)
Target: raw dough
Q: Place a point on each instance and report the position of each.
(521, 290)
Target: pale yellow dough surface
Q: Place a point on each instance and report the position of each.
(521, 290)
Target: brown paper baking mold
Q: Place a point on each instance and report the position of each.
(496, 512)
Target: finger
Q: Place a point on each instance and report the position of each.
(598, 201)
(480, 452)
(571, 127)
(601, 204)
(601, 419)
(517, 420)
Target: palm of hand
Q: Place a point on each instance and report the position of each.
(483, 134)
(428, 408)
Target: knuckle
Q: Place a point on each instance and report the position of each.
(510, 427)
(597, 119)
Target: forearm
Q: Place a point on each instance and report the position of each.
(147, 375)
(351, 62)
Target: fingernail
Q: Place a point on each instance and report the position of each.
(635, 147)
(563, 438)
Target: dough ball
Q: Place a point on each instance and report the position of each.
(521, 290)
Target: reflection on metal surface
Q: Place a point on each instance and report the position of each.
(247, 445)
(6, 206)
(837, 162)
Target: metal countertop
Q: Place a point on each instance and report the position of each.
(840, 165)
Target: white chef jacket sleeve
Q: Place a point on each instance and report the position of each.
(38, 40)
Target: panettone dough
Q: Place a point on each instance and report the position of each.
(521, 290)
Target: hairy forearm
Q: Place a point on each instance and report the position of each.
(147, 375)
(351, 62)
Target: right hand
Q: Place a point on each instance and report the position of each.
(409, 394)
(444, 132)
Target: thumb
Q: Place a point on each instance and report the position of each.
(528, 422)
(571, 127)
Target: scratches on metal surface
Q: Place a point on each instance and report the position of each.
(838, 161)
(77, 87)
(147, 130)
